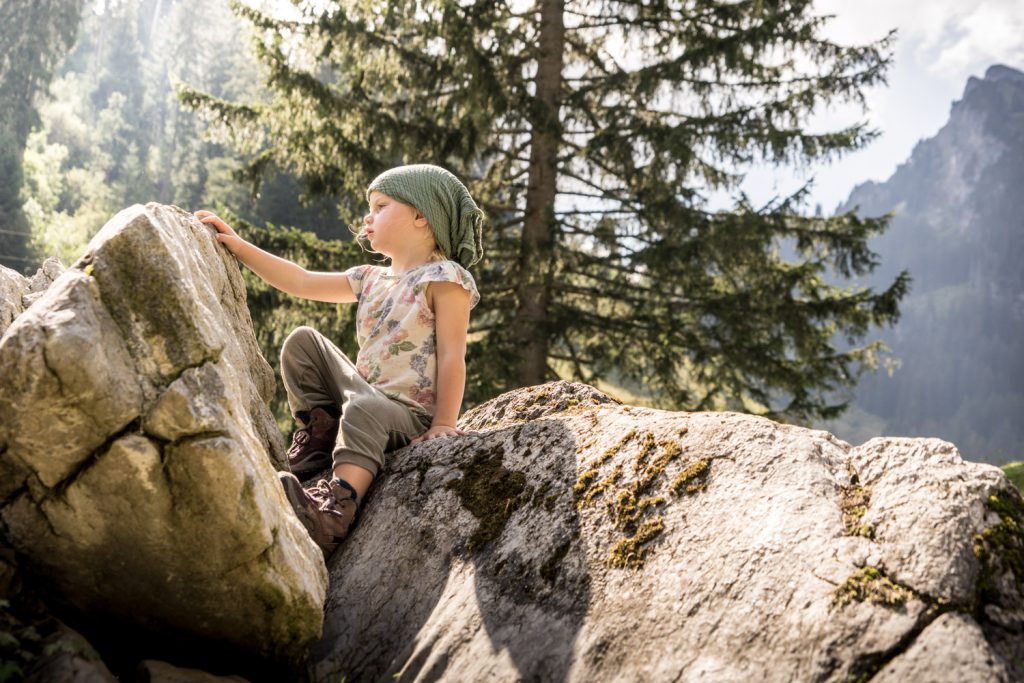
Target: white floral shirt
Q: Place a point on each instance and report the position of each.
(395, 329)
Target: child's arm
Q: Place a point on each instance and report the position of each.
(289, 277)
(450, 302)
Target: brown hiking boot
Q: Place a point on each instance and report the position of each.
(313, 444)
(327, 510)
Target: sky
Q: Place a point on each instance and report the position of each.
(939, 44)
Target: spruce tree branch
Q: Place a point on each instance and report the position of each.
(592, 212)
(575, 359)
(583, 317)
(607, 193)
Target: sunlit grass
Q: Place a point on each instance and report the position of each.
(1015, 471)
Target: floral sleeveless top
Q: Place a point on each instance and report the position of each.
(395, 329)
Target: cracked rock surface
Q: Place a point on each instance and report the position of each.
(12, 287)
(137, 452)
(571, 538)
(17, 292)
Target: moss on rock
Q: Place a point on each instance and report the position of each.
(553, 566)
(581, 489)
(648, 445)
(872, 585)
(630, 552)
(1000, 548)
(854, 500)
(854, 504)
(631, 507)
(692, 478)
(491, 493)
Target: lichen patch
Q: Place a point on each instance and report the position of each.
(581, 489)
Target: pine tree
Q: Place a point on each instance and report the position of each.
(34, 35)
(593, 133)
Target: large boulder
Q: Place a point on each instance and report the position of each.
(137, 452)
(570, 538)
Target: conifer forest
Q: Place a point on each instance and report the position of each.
(591, 132)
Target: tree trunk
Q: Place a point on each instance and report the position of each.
(531, 328)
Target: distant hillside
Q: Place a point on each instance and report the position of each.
(959, 230)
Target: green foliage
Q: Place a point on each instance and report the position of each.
(1015, 471)
(113, 135)
(34, 35)
(13, 224)
(1000, 550)
(593, 162)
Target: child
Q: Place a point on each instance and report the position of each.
(412, 317)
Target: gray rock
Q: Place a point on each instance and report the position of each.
(18, 292)
(571, 538)
(137, 452)
(13, 286)
(567, 537)
(952, 649)
(152, 671)
(47, 274)
(68, 658)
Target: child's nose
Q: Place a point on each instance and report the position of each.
(367, 218)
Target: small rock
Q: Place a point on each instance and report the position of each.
(153, 671)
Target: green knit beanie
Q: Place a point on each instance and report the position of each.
(454, 217)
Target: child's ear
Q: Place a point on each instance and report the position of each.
(420, 220)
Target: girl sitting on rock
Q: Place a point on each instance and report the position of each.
(412, 318)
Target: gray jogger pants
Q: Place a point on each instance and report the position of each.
(316, 373)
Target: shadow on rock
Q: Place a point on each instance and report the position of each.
(467, 563)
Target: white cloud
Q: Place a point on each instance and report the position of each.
(945, 35)
(989, 32)
(939, 45)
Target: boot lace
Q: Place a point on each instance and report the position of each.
(299, 439)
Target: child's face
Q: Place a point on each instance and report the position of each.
(391, 225)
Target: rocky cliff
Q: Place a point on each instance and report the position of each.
(958, 229)
(567, 537)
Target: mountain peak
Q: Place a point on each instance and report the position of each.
(957, 230)
(999, 72)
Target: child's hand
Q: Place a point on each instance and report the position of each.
(438, 432)
(225, 235)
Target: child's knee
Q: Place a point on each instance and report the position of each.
(300, 339)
